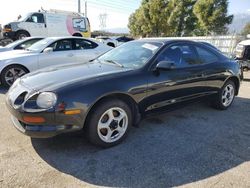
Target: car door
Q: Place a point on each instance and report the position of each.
(213, 69)
(36, 25)
(85, 50)
(184, 81)
(62, 53)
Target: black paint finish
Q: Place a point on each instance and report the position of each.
(81, 86)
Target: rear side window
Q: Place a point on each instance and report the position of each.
(206, 56)
(62, 45)
(81, 44)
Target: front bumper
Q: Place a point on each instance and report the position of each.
(54, 122)
(10, 34)
(41, 131)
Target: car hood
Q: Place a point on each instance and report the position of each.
(15, 54)
(53, 78)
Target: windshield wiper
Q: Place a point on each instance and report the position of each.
(114, 62)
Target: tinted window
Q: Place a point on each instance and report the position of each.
(206, 56)
(62, 45)
(36, 18)
(81, 44)
(247, 53)
(180, 55)
(26, 44)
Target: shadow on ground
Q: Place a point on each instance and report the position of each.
(171, 149)
(3, 90)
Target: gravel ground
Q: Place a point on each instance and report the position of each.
(195, 146)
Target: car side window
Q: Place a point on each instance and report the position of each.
(81, 44)
(36, 18)
(206, 56)
(62, 45)
(181, 55)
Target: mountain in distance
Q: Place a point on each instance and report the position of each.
(118, 30)
(239, 21)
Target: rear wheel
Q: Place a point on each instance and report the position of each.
(109, 123)
(226, 96)
(11, 73)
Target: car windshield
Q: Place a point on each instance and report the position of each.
(40, 45)
(24, 17)
(15, 43)
(132, 54)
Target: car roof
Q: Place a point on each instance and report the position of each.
(67, 37)
(165, 40)
(245, 42)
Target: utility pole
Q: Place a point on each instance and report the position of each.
(86, 8)
(79, 6)
(103, 20)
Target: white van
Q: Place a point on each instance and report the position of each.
(48, 23)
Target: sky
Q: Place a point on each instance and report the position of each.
(117, 11)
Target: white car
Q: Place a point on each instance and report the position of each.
(48, 52)
(108, 41)
(21, 44)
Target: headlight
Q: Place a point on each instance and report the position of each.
(46, 100)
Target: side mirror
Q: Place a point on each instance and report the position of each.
(48, 50)
(165, 65)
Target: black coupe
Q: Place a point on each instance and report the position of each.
(108, 95)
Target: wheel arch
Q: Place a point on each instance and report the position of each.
(236, 81)
(111, 44)
(77, 35)
(15, 64)
(120, 96)
(22, 30)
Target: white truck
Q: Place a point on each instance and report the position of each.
(48, 23)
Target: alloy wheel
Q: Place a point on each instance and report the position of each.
(112, 125)
(13, 74)
(228, 95)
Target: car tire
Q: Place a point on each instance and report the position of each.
(111, 44)
(225, 97)
(109, 123)
(11, 73)
(21, 35)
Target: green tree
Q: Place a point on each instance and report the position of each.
(182, 20)
(246, 29)
(212, 16)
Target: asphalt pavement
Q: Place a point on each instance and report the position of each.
(196, 146)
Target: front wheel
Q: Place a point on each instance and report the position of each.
(109, 123)
(226, 96)
(11, 73)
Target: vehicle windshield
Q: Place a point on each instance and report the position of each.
(40, 45)
(24, 17)
(132, 54)
(15, 43)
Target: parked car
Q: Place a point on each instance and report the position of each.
(242, 54)
(107, 40)
(48, 23)
(105, 97)
(48, 52)
(113, 41)
(21, 44)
